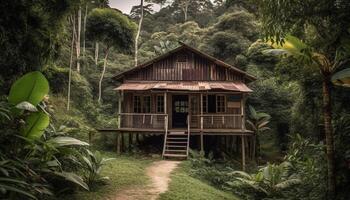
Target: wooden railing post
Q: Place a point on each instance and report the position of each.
(166, 133)
(188, 133)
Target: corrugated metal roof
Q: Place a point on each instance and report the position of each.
(188, 86)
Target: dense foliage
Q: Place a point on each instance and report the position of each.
(69, 43)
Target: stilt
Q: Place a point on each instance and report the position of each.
(138, 138)
(118, 142)
(130, 142)
(122, 149)
(202, 143)
(243, 152)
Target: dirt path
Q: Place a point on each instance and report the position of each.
(159, 174)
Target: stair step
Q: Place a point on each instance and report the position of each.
(177, 138)
(176, 150)
(177, 133)
(175, 155)
(176, 146)
(176, 142)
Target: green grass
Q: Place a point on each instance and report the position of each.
(183, 186)
(123, 172)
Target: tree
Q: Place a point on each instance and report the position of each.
(114, 30)
(310, 57)
(138, 33)
(258, 121)
(31, 34)
(72, 20)
(324, 24)
(160, 2)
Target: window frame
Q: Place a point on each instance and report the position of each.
(137, 103)
(144, 104)
(205, 103)
(220, 103)
(160, 103)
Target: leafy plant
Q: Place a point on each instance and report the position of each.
(269, 181)
(92, 164)
(258, 122)
(32, 88)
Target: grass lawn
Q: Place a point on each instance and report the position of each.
(183, 186)
(124, 171)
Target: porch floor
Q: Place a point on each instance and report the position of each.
(192, 131)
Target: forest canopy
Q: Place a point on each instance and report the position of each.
(63, 55)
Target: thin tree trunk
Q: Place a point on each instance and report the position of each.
(138, 34)
(327, 115)
(78, 40)
(84, 29)
(71, 63)
(102, 75)
(96, 53)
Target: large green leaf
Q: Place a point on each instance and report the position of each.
(35, 125)
(67, 141)
(342, 78)
(73, 178)
(31, 87)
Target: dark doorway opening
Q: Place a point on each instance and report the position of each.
(180, 111)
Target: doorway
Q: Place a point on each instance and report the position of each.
(180, 111)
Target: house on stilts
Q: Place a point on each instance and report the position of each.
(182, 94)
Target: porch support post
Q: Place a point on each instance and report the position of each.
(243, 152)
(201, 120)
(165, 103)
(121, 98)
(119, 134)
(242, 112)
(166, 125)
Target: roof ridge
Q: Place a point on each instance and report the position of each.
(182, 46)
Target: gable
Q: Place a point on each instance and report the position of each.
(185, 64)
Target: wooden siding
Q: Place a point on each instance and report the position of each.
(230, 119)
(176, 68)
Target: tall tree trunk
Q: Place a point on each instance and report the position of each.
(96, 53)
(71, 62)
(78, 40)
(138, 34)
(327, 115)
(84, 29)
(102, 75)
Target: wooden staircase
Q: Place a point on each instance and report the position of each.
(176, 144)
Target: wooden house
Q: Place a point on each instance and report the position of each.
(182, 93)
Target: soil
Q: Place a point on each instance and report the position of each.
(159, 175)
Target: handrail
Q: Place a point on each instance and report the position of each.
(224, 119)
(188, 133)
(219, 115)
(155, 114)
(166, 134)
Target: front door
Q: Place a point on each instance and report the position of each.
(180, 111)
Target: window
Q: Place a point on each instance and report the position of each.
(142, 104)
(220, 104)
(181, 106)
(160, 104)
(211, 104)
(137, 104)
(205, 104)
(146, 104)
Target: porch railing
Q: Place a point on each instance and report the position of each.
(217, 121)
(143, 120)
